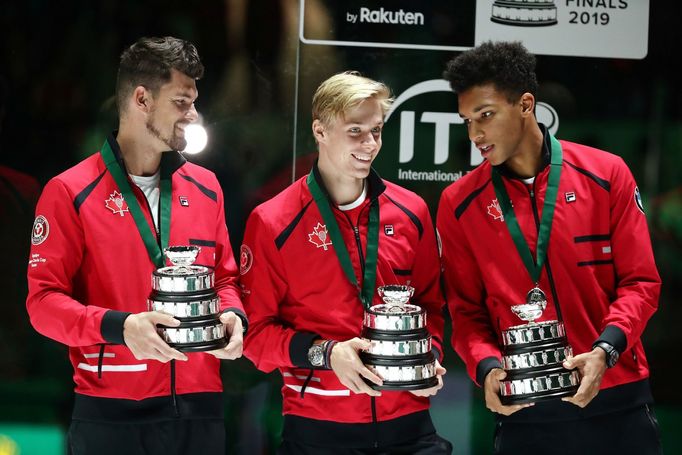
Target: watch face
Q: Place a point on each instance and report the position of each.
(316, 355)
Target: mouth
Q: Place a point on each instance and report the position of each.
(362, 158)
(485, 149)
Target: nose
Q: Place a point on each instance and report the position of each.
(475, 133)
(192, 115)
(370, 140)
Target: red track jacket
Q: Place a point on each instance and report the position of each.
(295, 291)
(600, 267)
(89, 269)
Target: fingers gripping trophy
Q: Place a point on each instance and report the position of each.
(186, 292)
(400, 346)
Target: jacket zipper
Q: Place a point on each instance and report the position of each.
(550, 277)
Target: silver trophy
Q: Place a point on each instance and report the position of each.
(533, 354)
(400, 346)
(186, 292)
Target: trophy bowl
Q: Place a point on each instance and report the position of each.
(186, 292)
(533, 354)
(182, 255)
(400, 346)
(395, 294)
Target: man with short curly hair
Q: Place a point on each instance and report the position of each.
(549, 218)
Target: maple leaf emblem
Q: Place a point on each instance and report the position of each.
(495, 210)
(116, 203)
(320, 237)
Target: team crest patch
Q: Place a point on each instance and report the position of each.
(116, 203)
(638, 200)
(41, 229)
(320, 237)
(245, 259)
(495, 210)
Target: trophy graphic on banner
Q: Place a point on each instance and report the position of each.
(400, 351)
(186, 292)
(533, 354)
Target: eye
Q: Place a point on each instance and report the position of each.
(376, 130)
(354, 130)
(487, 114)
(467, 122)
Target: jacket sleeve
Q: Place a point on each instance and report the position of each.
(638, 283)
(426, 282)
(270, 344)
(53, 263)
(226, 274)
(473, 335)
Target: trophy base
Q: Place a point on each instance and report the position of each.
(536, 398)
(200, 346)
(405, 385)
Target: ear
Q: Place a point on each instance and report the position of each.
(318, 130)
(527, 104)
(142, 99)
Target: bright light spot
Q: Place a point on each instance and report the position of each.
(197, 138)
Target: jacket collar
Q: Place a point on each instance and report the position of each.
(375, 189)
(171, 160)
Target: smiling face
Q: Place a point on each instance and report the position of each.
(351, 141)
(495, 125)
(171, 110)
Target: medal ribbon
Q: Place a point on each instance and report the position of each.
(370, 275)
(154, 250)
(534, 266)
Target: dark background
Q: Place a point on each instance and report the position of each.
(58, 65)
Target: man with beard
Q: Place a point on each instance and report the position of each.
(99, 233)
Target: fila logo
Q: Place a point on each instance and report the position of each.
(570, 196)
(388, 229)
(183, 201)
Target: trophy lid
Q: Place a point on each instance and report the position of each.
(536, 302)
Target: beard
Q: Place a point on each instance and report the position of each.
(174, 142)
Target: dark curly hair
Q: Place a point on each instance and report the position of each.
(507, 65)
(149, 62)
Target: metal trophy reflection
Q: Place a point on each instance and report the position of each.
(186, 292)
(533, 354)
(400, 351)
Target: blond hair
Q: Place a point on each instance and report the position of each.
(344, 91)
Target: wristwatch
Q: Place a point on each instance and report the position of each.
(316, 354)
(611, 352)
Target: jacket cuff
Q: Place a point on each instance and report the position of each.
(242, 316)
(298, 349)
(484, 367)
(111, 327)
(615, 337)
